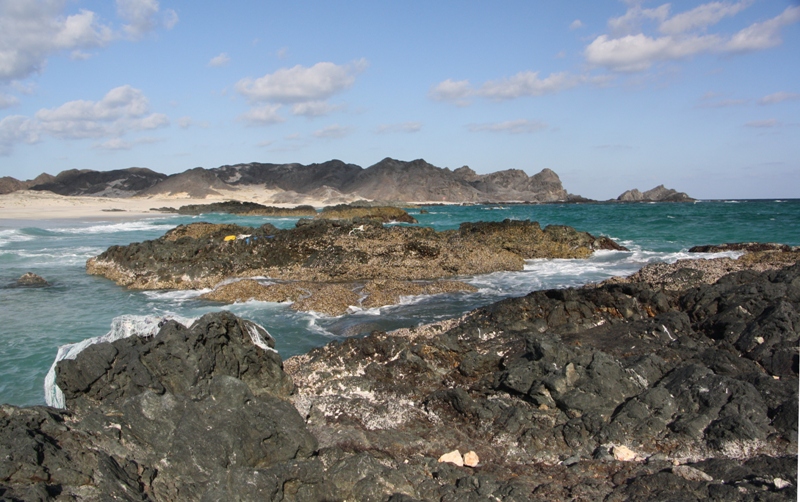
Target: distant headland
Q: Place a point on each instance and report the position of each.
(332, 182)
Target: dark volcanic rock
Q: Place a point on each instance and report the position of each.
(202, 254)
(384, 214)
(197, 182)
(242, 208)
(116, 183)
(610, 392)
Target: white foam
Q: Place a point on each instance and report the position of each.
(14, 235)
(121, 327)
(128, 226)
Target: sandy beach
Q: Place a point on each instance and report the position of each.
(42, 205)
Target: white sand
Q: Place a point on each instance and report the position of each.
(36, 205)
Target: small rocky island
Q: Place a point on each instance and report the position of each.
(625, 390)
(333, 263)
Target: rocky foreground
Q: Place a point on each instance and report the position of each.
(332, 264)
(618, 391)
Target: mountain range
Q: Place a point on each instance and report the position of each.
(388, 180)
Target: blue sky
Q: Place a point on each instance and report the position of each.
(703, 97)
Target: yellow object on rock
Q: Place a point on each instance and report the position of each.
(230, 237)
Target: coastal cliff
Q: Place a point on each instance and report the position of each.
(618, 391)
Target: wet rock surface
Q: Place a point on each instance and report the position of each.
(608, 392)
(202, 255)
(384, 214)
(31, 280)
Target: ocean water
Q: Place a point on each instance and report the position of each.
(34, 322)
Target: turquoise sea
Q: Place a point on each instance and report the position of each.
(34, 322)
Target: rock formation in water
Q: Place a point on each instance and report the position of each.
(657, 194)
(31, 280)
(240, 208)
(203, 255)
(609, 392)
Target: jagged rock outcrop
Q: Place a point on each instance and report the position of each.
(202, 255)
(657, 194)
(9, 184)
(115, 183)
(610, 392)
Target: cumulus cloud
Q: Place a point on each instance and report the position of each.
(574, 25)
(307, 89)
(32, 31)
(778, 97)
(121, 111)
(523, 84)
(403, 127)
(683, 35)
(220, 60)
(144, 16)
(300, 84)
(521, 126)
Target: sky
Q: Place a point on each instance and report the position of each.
(703, 97)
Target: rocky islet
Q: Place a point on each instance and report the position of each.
(344, 252)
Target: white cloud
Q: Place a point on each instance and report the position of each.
(451, 90)
(121, 111)
(220, 60)
(628, 49)
(404, 127)
(314, 108)
(527, 83)
(702, 16)
(521, 126)
(574, 25)
(523, 84)
(778, 97)
(764, 35)
(333, 131)
(301, 84)
(31, 31)
(640, 52)
(144, 16)
(263, 115)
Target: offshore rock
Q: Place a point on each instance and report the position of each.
(241, 208)
(657, 194)
(31, 280)
(202, 255)
(384, 214)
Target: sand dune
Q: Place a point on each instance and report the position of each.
(36, 205)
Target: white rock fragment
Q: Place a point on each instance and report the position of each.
(471, 459)
(690, 473)
(780, 484)
(623, 453)
(454, 457)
